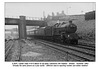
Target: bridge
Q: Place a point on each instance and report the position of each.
(22, 22)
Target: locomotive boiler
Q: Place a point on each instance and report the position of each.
(64, 32)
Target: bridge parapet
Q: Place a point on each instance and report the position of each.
(26, 18)
(17, 17)
(34, 18)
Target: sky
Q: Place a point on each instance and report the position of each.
(32, 9)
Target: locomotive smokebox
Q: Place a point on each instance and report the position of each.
(70, 27)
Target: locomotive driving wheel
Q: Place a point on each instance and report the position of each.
(74, 41)
(63, 38)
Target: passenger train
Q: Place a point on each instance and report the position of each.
(64, 32)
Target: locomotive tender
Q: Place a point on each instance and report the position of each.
(64, 32)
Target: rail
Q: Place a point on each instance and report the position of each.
(83, 54)
(8, 47)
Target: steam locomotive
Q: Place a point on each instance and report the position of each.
(63, 32)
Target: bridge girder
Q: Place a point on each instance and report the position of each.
(15, 21)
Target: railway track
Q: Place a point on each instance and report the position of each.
(8, 46)
(89, 47)
(80, 45)
(85, 47)
(79, 52)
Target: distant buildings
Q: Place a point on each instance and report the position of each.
(63, 17)
(52, 19)
(58, 16)
(11, 33)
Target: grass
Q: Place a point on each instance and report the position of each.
(86, 29)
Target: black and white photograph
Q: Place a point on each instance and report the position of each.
(50, 31)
